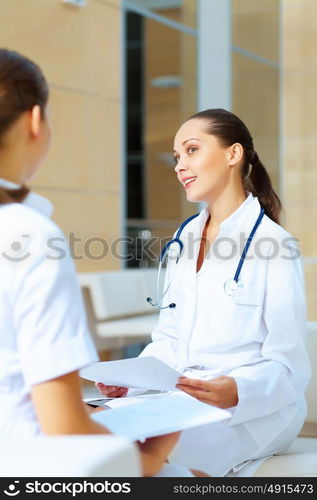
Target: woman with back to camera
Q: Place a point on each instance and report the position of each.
(233, 319)
(44, 339)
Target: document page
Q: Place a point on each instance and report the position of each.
(159, 414)
(145, 372)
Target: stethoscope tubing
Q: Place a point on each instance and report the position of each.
(177, 238)
(248, 243)
(181, 246)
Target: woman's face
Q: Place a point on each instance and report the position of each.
(203, 163)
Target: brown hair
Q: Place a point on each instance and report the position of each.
(22, 86)
(228, 128)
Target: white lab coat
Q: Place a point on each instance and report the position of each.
(43, 324)
(257, 337)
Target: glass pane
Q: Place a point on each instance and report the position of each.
(160, 95)
(255, 27)
(170, 98)
(134, 116)
(182, 11)
(255, 94)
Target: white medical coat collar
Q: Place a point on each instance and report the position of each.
(235, 218)
(32, 200)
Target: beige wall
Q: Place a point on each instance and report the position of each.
(270, 103)
(78, 50)
(300, 127)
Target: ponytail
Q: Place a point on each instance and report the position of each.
(259, 183)
(228, 128)
(13, 195)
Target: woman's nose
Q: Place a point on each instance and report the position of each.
(179, 166)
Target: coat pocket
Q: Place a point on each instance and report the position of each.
(250, 296)
(247, 312)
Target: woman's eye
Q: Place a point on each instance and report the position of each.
(175, 159)
(191, 150)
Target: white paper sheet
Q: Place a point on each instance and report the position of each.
(159, 414)
(119, 402)
(145, 372)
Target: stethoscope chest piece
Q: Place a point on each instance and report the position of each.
(231, 285)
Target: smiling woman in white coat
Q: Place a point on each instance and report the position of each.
(233, 318)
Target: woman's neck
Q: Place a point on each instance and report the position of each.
(224, 205)
(11, 169)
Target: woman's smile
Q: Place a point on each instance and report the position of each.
(188, 181)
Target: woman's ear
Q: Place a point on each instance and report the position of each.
(36, 121)
(235, 153)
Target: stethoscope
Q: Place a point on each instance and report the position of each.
(230, 285)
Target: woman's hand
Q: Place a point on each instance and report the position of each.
(155, 451)
(112, 391)
(220, 391)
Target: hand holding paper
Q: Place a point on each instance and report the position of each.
(152, 415)
(220, 391)
(112, 391)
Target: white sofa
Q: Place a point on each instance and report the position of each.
(300, 459)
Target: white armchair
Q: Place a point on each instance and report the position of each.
(69, 456)
(117, 310)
